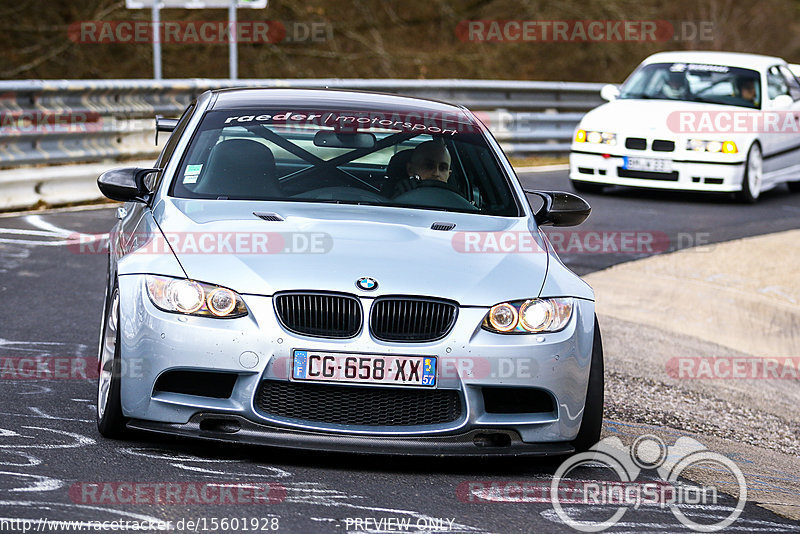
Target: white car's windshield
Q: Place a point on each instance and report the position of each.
(714, 84)
(345, 157)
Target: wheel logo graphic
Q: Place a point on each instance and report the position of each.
(646, 452)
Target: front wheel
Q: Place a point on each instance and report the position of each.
(110, 421)
(753, 175)
(794, 187)
(592, 421)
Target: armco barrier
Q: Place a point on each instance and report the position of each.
(103, 121)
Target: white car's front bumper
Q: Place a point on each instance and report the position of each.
(712, 176)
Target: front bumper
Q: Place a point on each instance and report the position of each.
(256, 348)
(711, 176)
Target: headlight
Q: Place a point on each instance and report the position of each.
(598, 138)
(179, 295)
(699, 145)
(529, 316)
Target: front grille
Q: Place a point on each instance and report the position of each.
(319, 314)
(661, 145)
(358, 405)
(411, 319)
(635, 143)
(648, 175)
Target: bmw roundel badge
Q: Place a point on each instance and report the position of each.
(367, 284)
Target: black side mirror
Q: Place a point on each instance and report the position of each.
(125, 184)
(560, 208)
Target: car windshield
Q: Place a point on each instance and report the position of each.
(714, 84)
(409, 159)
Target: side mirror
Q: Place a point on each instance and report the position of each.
(560, 208)
(782, 102)
(125, 184)
(609, 92)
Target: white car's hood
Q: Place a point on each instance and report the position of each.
(394, 246)
(647, 118)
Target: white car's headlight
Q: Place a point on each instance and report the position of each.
(180, 295)
(700, 145)
(529, 316)
(598, 138)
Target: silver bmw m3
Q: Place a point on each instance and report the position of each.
(344, 271)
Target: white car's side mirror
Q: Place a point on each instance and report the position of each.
(609, 92)
(782, 102)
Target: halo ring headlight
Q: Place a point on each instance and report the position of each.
(186, 295)
(503, 317)
(221, 301)
(536, 315)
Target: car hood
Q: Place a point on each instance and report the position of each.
(647, 118)
(329, 247)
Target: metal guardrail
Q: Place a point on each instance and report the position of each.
(46, 122)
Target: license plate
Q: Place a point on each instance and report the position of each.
(364, 368)
(647, 164)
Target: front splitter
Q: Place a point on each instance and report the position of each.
(237, 429)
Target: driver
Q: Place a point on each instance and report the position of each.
(675, 86)
(429, 165)
(747, 90)
(430, 161)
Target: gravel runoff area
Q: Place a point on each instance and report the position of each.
(658, 311)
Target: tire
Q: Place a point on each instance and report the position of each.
(794, 187)
(592, 421)
(110, 421)
(587, 187)
(753, 176)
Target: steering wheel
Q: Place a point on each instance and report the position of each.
(435, 194)
(344, 193)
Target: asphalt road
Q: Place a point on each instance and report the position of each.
(50, 451)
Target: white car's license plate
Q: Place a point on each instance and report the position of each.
(647, 164)
(364, 368)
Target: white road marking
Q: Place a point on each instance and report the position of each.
(70, 209)
(32, 460)
(39, 482)
(276, 473)
(38, 222)
(542, 168)
(58, 236)
(42, 390)
(79, 440)
(54, 418)
(51, 505)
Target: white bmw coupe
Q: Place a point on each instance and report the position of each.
(694, 121)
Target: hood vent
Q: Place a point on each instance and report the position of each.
(443, 226)
(268, 216)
